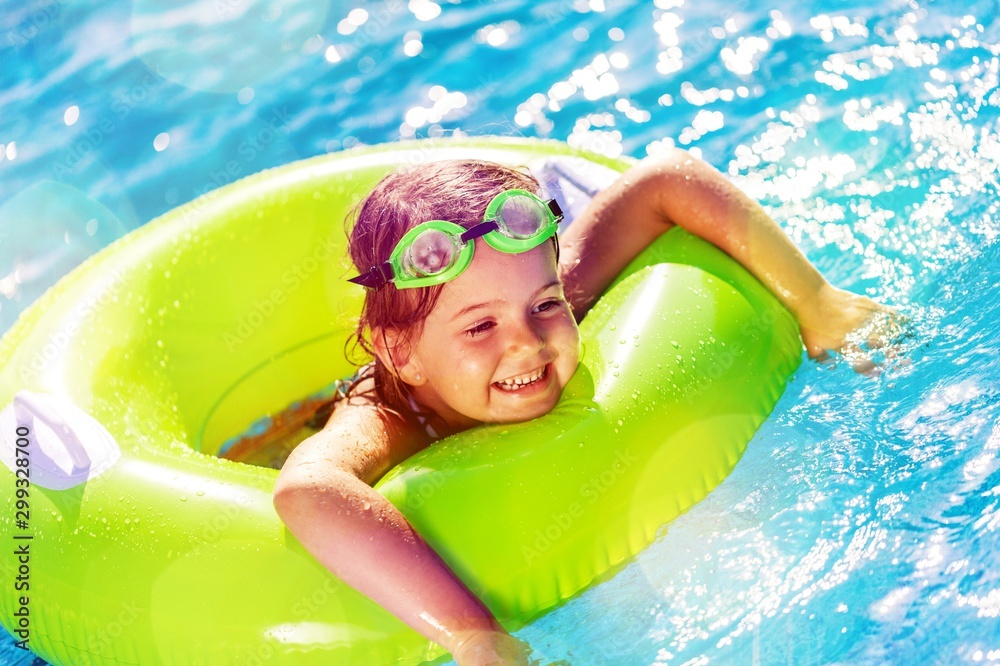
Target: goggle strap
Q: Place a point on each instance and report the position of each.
(554, 207)
(375, 277)
(479, 230)
(557, 211)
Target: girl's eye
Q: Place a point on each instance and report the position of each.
(548, 305)
(481, 328)
(487, 325)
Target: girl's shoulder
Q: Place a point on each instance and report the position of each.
(362, 390)
(362, 436)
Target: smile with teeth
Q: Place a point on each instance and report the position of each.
(516, 383)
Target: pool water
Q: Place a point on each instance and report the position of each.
(863, 522)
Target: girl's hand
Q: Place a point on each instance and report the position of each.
(490, 648)
(842, 321)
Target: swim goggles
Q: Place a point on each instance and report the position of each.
(437, 251)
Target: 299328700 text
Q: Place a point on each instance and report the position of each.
(22, 537)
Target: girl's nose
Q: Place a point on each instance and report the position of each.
(524, 340)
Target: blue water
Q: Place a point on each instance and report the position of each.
(861, 525)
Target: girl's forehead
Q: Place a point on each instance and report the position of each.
(495, 275)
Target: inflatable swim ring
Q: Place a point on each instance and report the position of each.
(140, 546)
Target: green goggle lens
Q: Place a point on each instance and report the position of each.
(522, 217)
(432, 252)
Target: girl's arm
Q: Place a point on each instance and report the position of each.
(324, 498)
(680, 189)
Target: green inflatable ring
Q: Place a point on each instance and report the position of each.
(147, 548)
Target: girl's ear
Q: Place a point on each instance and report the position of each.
(393, 348)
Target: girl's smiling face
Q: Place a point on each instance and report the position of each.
(505, 318)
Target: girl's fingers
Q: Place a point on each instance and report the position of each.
(884, 328)
(857, 327)
(884, 331)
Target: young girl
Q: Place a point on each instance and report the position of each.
(490, 337)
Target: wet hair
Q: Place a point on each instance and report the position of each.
(454, 190)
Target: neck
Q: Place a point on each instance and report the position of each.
(446, 421)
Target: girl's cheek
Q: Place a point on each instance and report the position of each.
(570, 329)
(470, 358)
(576, 343)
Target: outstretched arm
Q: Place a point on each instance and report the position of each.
(324, 498)
(679, 189)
